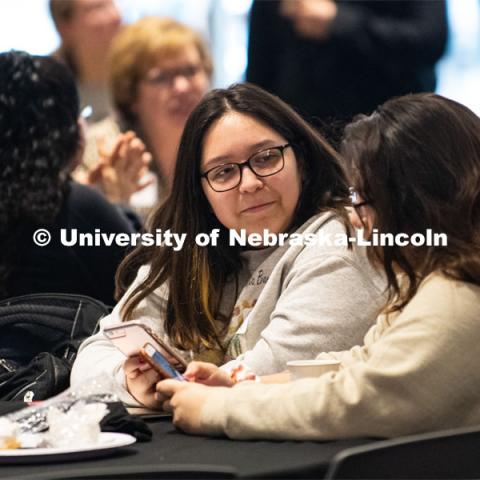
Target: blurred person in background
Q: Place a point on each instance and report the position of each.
(86, 29)
(159, 70)
(41, 141)
(335, 59)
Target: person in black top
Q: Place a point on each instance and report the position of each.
(41, 140)
(334, 59)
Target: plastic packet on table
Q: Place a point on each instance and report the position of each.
(96, 391)
(80, 425)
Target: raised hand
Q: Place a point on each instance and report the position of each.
(120, 173)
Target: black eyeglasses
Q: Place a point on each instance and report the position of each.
(353, 194)
(228, 176)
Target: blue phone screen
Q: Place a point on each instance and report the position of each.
(162, 361)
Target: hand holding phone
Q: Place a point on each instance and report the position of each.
(141, 383)
(130, 338)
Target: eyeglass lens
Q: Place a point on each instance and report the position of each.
(166, 77)
(263, 164)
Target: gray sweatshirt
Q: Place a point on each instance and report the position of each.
(316, 298)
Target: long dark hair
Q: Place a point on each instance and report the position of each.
(196, 275)
(39, 136)
(417, 160)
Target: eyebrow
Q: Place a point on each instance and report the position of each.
(256, 147)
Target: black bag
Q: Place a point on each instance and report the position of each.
(39, 338)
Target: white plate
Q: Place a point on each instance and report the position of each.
(107, 442)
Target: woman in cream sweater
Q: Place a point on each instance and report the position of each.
(415, 164)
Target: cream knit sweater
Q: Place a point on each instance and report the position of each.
(417, 371)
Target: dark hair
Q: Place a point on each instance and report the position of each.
(39, 136)
(417, 160)
(196, 275)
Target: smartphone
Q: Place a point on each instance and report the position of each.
(151, 355)
(130, 337)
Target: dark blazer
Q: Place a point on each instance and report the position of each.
(376, 50)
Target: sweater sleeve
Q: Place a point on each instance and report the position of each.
(359, 353)
(417, 377)
(89, 212)
(328, 303)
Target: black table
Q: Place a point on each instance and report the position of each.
(183, 456)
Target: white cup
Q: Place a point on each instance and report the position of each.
(311, 368)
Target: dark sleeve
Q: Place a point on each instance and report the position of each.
(419, 37)
(263, 44)
(129, 214)
(89, 212)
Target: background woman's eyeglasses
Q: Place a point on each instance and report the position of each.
(263, 164)
(165, 78)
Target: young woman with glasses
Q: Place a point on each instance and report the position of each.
(246, 162)
(415, 164)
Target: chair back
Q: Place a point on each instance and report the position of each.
(451, 453)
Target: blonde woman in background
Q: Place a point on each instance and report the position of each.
(159, 70)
